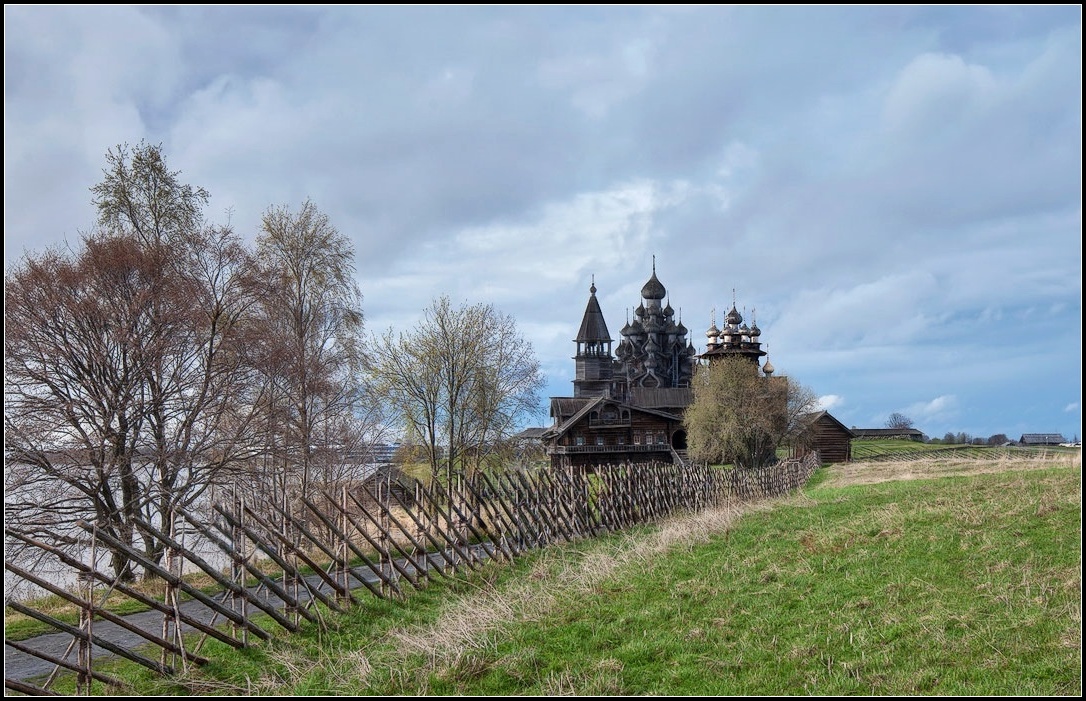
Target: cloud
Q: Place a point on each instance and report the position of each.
(830, 401)
(1071, 408)
(941, 408)
(896, 191)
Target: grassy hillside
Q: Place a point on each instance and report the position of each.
(918, 578)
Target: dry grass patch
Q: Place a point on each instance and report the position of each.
(470, 622)
(862, 473)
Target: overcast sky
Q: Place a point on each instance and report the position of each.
(896, 191)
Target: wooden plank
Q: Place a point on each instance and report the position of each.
(169, 577)
(341, 591)
(451, 542)
(125, 589)
(213, 572)
(98, 676)
(377, 570)
(421, 568)
(28, 689)
(255, 571)
(106, 615)
(92, 639)
(234, 521)
(316, 593)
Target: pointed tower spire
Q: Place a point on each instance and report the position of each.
(593, 373)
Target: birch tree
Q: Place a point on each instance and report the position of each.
(462, 381)
(310, 345)
(125, 387)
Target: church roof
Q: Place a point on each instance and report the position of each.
(593, 327)
(560, 428)
(653, 289)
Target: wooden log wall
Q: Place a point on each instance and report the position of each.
(285, 557)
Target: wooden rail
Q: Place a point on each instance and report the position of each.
(345, 543)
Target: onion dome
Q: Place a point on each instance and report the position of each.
(653, 289)
(755, 332)
(680, 329)
(640, 311)
(713, 332)
(668, 311)
(734, 318)
(768, 367)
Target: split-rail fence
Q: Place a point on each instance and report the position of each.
(331, 547)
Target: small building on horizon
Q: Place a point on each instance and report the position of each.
(1029, 439)
(908, 434)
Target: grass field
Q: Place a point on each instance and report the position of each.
(913, 578)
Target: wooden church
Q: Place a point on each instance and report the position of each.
(628, 404)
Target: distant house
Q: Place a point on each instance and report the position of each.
(910, 434)
(530, 434)
(1041, 439)
(823, 433)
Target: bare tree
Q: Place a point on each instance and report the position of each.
(899, 421)
(741, 417)
(126, 390)
(309, 345)
(462, 381)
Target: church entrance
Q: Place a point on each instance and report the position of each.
(678, 441)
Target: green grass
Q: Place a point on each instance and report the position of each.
(945, 586)
(950, 586)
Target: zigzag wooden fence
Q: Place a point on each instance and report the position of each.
(285, 558)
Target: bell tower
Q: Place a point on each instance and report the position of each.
(595, 366)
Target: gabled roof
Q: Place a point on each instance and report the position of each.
(886, 432)
(567, 406)
(1047, 438)
(824, 416)
(531, 433)
(560, 429)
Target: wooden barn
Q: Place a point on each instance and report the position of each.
(1028, 439)
(883, 434)
(825, 434)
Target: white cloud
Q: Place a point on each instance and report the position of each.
(942, 408)
(897, 190)
(830, 401)
(936, 92)
(1071, 408)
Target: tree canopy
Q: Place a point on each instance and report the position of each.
(739, 416)
(899, 420)
(462, 381)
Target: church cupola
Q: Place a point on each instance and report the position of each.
(594, 361)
